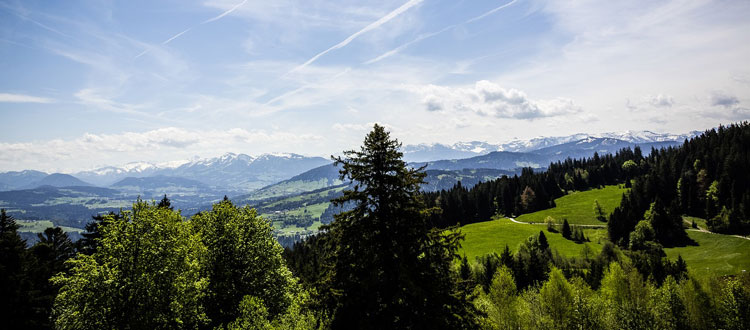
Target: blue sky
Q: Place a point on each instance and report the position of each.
(89, 83)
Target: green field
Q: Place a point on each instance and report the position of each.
(492, 236)
(578, 207)
(715, 254)
(38, 226)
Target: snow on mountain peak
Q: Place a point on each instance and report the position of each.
(137, 166)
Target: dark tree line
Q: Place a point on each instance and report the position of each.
(705, 177)
(27, 295)
(531, 191)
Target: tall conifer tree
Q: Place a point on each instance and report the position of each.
(390, 270)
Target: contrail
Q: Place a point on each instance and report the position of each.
(225, 13)
(432, 34)
(190, 28)
(372, 26)
(175, 36)
(490, 12)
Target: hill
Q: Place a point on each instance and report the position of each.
(58, 180)
(491, 236)
(494, 160)
(18, 179)
(578, 206)
(159, 185)
(715, 254)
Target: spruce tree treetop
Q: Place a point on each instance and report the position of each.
(389, 269)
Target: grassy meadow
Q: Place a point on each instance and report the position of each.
(578, 206)
(715, 254)
(492, 236)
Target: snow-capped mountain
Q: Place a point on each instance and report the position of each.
(437, 151)
(649, 136)
(229, 172)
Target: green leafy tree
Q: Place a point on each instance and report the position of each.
(667, 307)
(502, 296)
(557, 300)
(643, 234)
(147, 274)
(242, 259)
(734, 304)
(389, 269)
(625, 297)
(700, 310)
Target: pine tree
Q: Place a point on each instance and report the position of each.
(566, 229)
(14, 284)
(390, 270)
(166, 203)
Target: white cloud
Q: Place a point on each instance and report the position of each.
(22, 98)
(489, 99)
(164, 144)
(649, 102)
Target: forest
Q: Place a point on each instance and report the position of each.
(389, 258)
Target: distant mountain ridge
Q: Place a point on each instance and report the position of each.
(19, 179)
(437, 151)
(57, 180)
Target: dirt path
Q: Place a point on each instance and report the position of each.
(542, 223)
(704, 230)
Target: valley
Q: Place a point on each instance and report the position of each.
(286, 188)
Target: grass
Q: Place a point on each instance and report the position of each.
(304, 197)
(578, 207)
(701, 223)
(715, 254)
(38, 226)
(492, 236)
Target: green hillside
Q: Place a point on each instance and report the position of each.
(578, 206)
(492, 236)
(715, 254)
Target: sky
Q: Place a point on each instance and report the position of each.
(92, 83)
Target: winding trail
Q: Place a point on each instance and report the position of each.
(699, 229)
(542, 223)
(704, 230)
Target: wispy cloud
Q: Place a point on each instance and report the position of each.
(213, 19)
(432, 34)
(22, 98)
(225, 13)
(370, 27)
(23, 14)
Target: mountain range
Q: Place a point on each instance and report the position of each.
(437, 151)
(277, 181)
